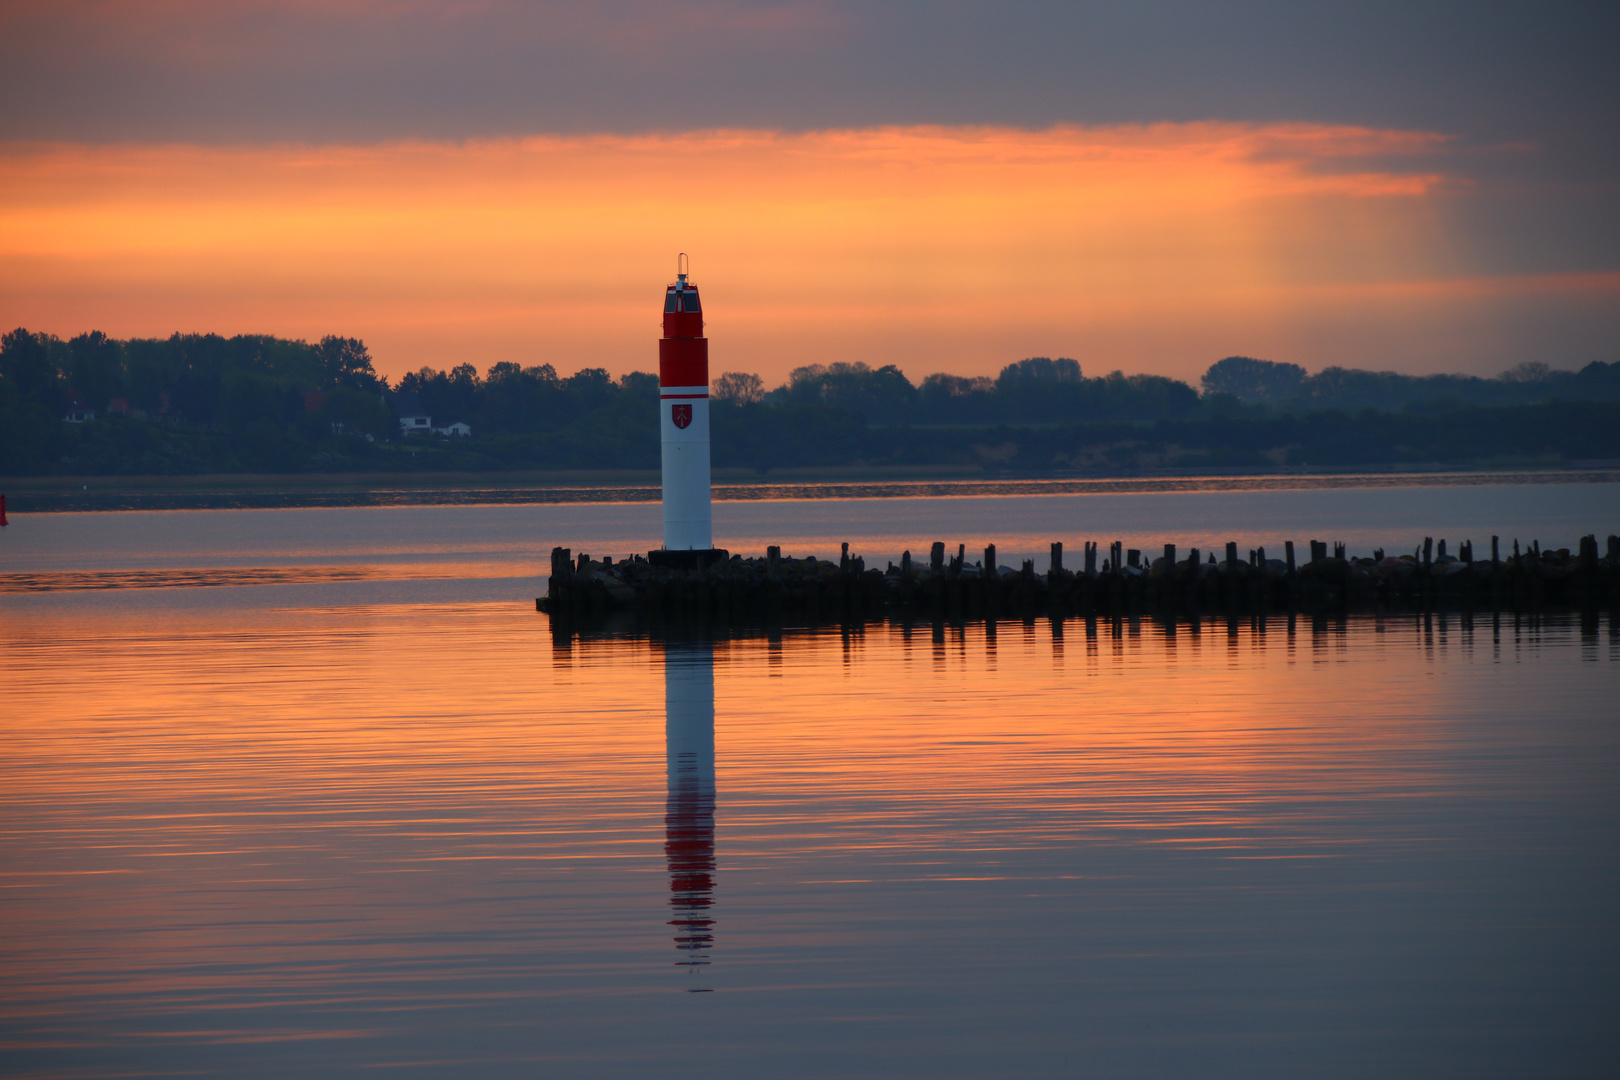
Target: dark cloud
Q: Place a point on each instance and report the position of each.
(359, 70)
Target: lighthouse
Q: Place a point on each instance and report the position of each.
(683, 403)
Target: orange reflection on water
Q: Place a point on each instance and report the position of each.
(1113, 724)
(360, 812)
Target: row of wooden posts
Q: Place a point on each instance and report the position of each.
(737, 589)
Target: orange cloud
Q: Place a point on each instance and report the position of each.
(1153, 248)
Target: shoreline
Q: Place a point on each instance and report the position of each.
(308, 490)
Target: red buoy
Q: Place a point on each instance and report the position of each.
(3, 521)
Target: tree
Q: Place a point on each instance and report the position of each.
(345, 362)
(589, 388)
(1039, 369)
(25, 361)
(1528, 372)
(97, 368)
(742, 387)
(956, 399)
(1251, 380)
(885, 392)
(360, 412)
(639, 385)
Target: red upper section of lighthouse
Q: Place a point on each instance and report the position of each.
(683, 354)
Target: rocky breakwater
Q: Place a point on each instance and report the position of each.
(773, 588)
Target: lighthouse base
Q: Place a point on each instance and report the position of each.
(688, 560)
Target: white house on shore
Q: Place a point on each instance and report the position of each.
(413, 418)
(457, 430)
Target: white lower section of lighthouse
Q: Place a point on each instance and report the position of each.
(688, 524)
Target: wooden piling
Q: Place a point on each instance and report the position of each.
(1229, 580)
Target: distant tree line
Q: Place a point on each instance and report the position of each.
(1288, 388)
(202, 403)
(1034, 391)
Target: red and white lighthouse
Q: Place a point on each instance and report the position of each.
(683, 392)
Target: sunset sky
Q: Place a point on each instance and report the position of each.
(944, 186)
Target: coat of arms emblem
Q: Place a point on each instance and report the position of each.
(681, 414)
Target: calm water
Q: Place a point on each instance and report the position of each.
(317, 823)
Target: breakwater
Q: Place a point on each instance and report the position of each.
(720, 588)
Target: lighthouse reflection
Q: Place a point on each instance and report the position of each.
(689, 811)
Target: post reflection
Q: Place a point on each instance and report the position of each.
(689, 812)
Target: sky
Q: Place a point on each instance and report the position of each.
(943, 186)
